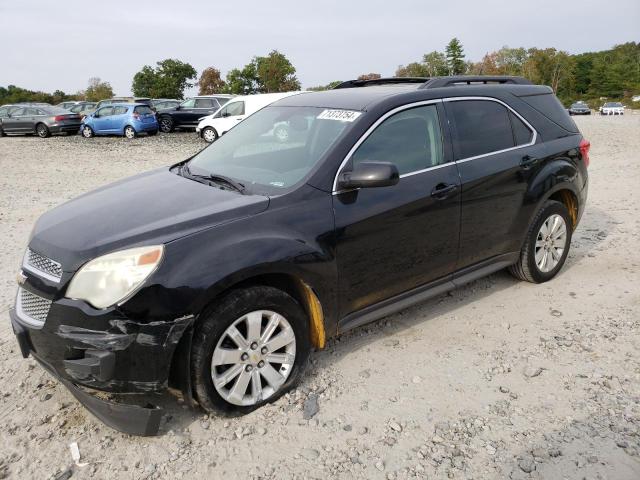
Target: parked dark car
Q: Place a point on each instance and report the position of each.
(187, 114)
(218, 275)
(579, 108)
(40, 120)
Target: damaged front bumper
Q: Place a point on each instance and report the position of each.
(126, 357)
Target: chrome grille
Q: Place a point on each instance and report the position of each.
(42, 264)
(32, 308)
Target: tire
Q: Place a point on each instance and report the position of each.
(212, 335)
(130, 132)
(87, 131)
(42, 130)
(527, 268)
(2, 134)
(166, 124)
(152, 133)
(209, 134)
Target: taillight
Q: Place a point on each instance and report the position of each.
(584, 151)
(59, 118)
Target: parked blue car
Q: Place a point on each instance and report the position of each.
(128, 119)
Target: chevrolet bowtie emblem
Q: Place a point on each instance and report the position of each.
(21, 278)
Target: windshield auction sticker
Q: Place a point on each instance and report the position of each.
(340, 115)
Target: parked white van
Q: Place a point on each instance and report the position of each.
(233, 112)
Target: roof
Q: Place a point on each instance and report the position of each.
(364, 95)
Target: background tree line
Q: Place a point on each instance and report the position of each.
(613, 73)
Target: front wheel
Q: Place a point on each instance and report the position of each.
(42, 130)
(209, 134)
(87, 131)
(249, 348)
(547, 244)
(129, 132)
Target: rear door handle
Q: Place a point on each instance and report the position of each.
(528, 161)
(443, 190)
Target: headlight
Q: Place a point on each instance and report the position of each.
(112, 278)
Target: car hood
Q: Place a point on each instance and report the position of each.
(150, 208)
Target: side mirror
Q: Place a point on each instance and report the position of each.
(369, 175)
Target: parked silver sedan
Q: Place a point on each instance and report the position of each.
(40, 120)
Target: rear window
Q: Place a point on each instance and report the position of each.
(143, 110)
(550, 107)
(482, 127)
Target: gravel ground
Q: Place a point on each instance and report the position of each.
(499, 379)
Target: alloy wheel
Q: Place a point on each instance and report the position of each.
(129, 132)
(253, 358)
(87, 132)
(42, 131)
(550, 243)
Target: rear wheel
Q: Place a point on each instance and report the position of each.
(209, 134)
(87, 131)
(547, 244)
(129, 132)
(166, 124)
(42, 130)
(248, 349)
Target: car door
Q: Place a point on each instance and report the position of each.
(101, 119)
(118, 119)
(390, 240)
(230, 115)
(494, 147)
(11, 124)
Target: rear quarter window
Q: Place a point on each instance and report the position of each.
(549, 106)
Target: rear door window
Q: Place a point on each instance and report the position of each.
(143, 110)
(119, 110)
(205, 103)
(482, 127)
(410, 139)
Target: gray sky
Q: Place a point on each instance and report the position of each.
(46, 45)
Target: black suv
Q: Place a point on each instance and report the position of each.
(219, 274)
(190, 111)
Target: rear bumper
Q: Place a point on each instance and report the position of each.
(65, 128)
(145, 126)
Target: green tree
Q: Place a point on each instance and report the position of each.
(436, 64)
(328, 86)
(455, 57)
(273, 73)
(242, 82)
(413, 69)
(276, 73)
(210, 82)
(98, 90)
(369, 76)
(168, 79)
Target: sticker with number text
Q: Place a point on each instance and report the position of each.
(340, 115)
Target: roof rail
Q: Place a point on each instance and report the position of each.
(381, 81)
(454, 80)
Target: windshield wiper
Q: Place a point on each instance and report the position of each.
(214, 177)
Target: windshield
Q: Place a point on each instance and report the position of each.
(579, 105)
(274, 148)
(613, 104)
